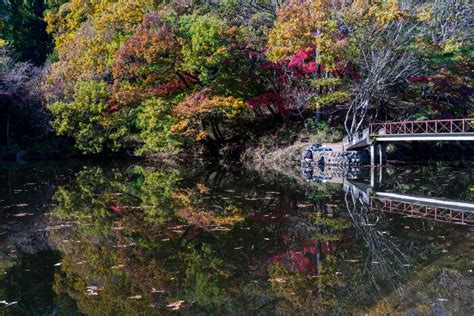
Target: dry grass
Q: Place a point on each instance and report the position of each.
(278, 152)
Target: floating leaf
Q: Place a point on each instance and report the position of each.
(22, 214)
(176, 305)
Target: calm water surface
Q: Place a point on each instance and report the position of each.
(143, 239)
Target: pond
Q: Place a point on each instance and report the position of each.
(138, 238)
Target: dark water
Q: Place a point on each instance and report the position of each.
(143, 239)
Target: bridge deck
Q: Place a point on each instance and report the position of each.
(428, 130)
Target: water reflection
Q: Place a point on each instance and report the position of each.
(149, 239)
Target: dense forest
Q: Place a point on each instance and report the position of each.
(150, 76)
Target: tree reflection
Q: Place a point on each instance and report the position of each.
(145, 239)
(385, 262)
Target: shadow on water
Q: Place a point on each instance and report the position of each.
(118, 239)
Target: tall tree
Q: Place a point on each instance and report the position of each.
(22, 26)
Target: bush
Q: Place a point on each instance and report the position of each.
(91, 119)
(155, 122)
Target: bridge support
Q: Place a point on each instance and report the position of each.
(378, 154)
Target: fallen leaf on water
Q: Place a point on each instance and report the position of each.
(220, 229)
(136, 297)
(115, 208)
(21, 205)
(238, 248)
(176, 305)
(91, 290)
(442, 299)
(57, 264)
(119, 266)
(153, 290)
(22, 214)
(279, 280)
(352, 260)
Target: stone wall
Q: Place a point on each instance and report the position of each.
(332, 158)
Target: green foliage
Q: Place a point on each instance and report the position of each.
(22, 27)
(321, 132)
(329, 99)
(88, 119)
(204, 44)
(155, 123)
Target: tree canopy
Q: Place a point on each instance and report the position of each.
(151, 76)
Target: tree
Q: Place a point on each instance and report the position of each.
(148, 63)
(381, 50)
(394, 43)
(22, 27)
(19, 95)
(202, 115)
(90, 120)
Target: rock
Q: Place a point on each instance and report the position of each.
(322, 155)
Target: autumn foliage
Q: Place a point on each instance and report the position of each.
(156, 76)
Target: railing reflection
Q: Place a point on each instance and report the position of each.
(373, 195)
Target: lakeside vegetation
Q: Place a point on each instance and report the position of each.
(214, 77)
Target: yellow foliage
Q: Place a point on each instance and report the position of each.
(316, 23)
(294, 29)
(87, 33)
(198, 108)
(380, 12)
(425, 14)
(201, 135)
